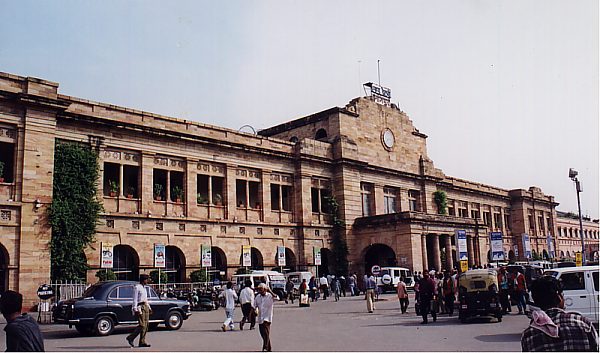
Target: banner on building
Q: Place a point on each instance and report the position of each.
(317, 255)
(496, 246)
(281, 256)
(578, 259)
(526, 246)
(106, 255)
(461, 245)
(206, 255)
(246, 255)
(159, 256)
(550, 243)
(516, 249)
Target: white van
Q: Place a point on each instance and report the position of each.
(273, 279)
(390, 276)
(297, 277)
(580, 289)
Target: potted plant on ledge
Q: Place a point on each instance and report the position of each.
(113, 188)
(158, 189)
(130, 192)
(218, 199)
(177, 194)
(201, 200)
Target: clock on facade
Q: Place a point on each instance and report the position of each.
(387, 139)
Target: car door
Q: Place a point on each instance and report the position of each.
(159, 307)
(595, 294)
(577, 297)
(120, 301)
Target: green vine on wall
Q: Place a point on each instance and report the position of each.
(338, 242)
(75, 210)
(439, 197)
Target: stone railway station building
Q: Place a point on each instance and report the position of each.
(186, 184)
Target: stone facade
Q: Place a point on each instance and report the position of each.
(186, 184)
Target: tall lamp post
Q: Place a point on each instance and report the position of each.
(573, 175)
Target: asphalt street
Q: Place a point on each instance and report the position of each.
(325, 326)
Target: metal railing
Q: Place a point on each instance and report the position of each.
(65, 290)
(187, 287)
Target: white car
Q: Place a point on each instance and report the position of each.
(390, 276)
(580, 289)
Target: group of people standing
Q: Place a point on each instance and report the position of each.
(515, 286)
(434, 292)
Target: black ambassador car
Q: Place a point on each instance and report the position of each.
(107, 304)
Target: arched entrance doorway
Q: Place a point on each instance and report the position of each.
(379, 254)
(327, 262)
(126, 263)
(4, 261)
(218, 264)
(175, 264)
(290, 261)
(256, 259)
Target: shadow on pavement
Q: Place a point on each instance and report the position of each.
(501, 337)
(85, 348)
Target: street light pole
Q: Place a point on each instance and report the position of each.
(573, 175)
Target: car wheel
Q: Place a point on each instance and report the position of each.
(174, 321)
(84, 329)
(104, 326)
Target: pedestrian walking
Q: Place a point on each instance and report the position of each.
(343, 285)
(335, 288)
(264, 303)
(312, 287)
(247, 303)
(324, 286)
(521, 292)
(303, 290)
(289, 291)
(402, 295)
(554, 329)
(352, 285)
(22, 332)
(230, 298)
(503, 290)
(370, 285)
(141, 309)
(426, 295)
(448, 293)
(439, 285)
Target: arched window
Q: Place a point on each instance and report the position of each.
(294, 139)
(321, 135)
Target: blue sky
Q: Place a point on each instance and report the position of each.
(507, 91)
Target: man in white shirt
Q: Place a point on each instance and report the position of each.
(247, 302)
(230, 298)
(141, 309)
(264, 302)
(324, 285)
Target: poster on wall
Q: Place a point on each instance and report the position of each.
(317, 256)
(496, 246)
(159, 256)
(280, 256)
(246, 256)
(461, 245)
(526, 246)
(516, 249)
(106, 255)
(550, 242)
(206, 253)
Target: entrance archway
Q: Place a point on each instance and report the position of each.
(4, 261)
(327, 262)
(379, 254)
(290, 261)
(126, 263)
(175, 264)
(256, 259)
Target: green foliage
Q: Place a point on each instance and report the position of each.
(201, 200)
(158, 190)
(440, 200)
(113, 186)
(106, 275)
(1, 169)
(198, 276)
(177, 193)
(339, 247)
(164, 278)
(75, 210)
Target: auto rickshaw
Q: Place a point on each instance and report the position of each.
(478, 295)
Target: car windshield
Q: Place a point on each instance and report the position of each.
(477, 285)
(90, 291)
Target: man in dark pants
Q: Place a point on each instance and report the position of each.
(22, 332)
(426, 295)
(264, 303)
(247, 302)
(141, 309)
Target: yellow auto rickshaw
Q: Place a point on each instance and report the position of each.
(478, 295)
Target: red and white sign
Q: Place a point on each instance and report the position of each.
(376, 270)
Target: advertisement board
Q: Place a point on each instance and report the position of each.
(281, 256)
(550, 243)
(106, 255)
(317, 256)
(526, 246)
(496, 246)
(246, 256)
(206, 255)
(159, 256)
(461, 245)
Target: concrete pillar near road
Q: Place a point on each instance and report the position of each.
(437, 262)
(424, 251)
(448, 249)
(470, 250)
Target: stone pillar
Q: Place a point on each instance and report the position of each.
(470, 250)
(448, 248)
(437, 262)
(424, 251)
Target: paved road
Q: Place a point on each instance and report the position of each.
(325, 326)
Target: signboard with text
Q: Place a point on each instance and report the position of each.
(526, 246)
(496, 246)
(206, 255)
(246, 255)
(578, 259)
(106, 255)
(159, 256)
(550, 243)
(317, 256)
(461, 245)
(280, 256)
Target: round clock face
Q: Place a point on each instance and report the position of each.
(387, 137)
